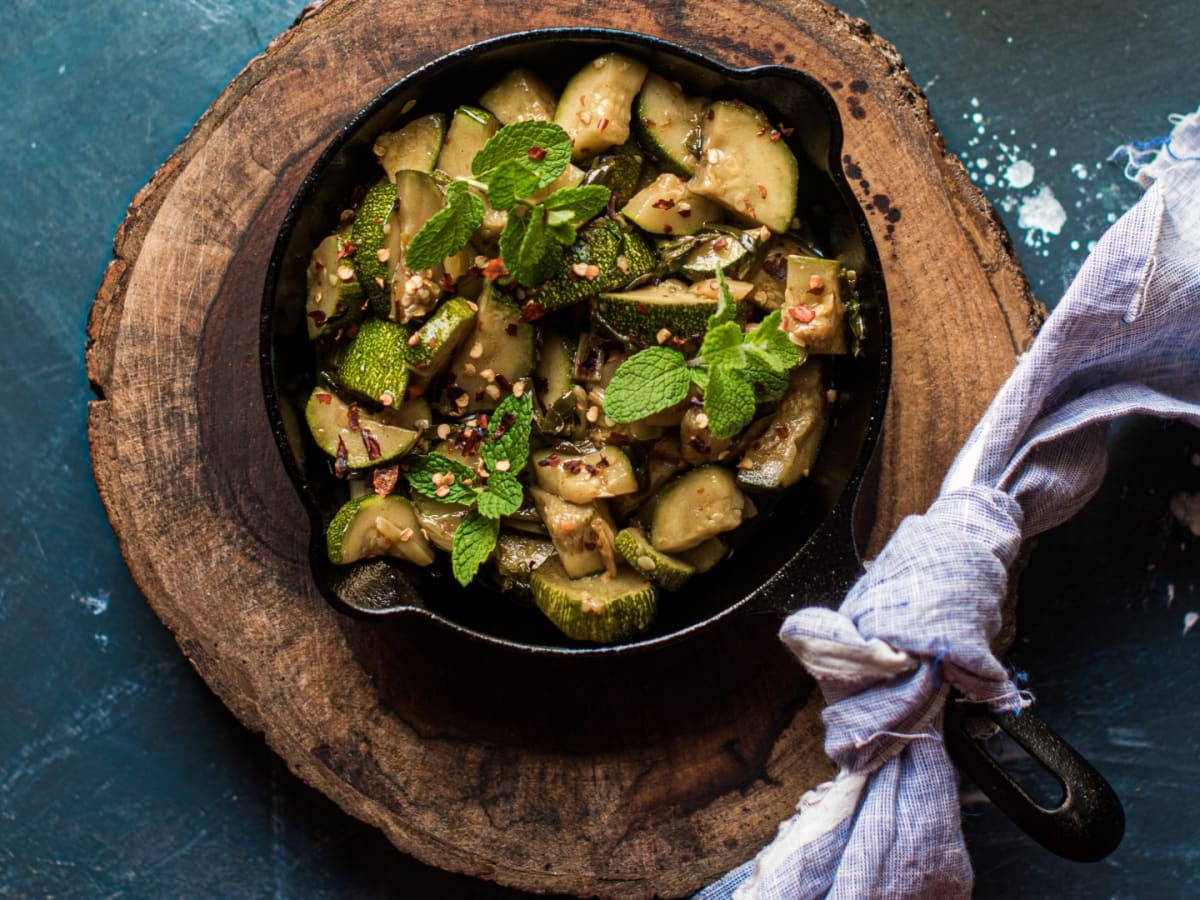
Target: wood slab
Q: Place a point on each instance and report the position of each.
(647, 778)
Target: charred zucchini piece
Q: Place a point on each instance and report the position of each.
(786, 449)
(584, 477)
(415, 146)
(363, 439)
(668, 206)
(814, 313)
(696, 506)
(377, 526)
(335, 298)
(596, 105)
(582, 533)
(668, 123)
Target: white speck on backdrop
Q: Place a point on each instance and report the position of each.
(1189, 621)
(1020, 174)
(1041, 216)
(1186, 508)
(96, 604)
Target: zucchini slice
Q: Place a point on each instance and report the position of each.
(582, 533)
(335, 298)
(668, 122)
(515, 558)
(746, 166)
(668, 206)
(374, 364)
(497, 354)
(470, 128)
(814, 314)
(377, 526)
(704, 556)
(644, 313)
(416, 146)
(595, 106)
(786, 449)
(599, 608)
(376, 242)
(732, 251)
(668, 572)
(413, 294)
(519, 95)
(361, 438)
(439, 520)
(696, 506)
(441, 335)
(584, 477)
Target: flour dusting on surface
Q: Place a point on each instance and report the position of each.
(1020, 174)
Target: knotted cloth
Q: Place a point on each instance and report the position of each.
(1124, 339)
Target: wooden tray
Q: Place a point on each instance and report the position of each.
(651, 777)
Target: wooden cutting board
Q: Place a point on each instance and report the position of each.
(651, 777)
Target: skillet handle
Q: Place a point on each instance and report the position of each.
(1090, 821)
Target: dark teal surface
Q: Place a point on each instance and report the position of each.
(122, 776)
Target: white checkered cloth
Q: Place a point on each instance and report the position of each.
(1125, 339)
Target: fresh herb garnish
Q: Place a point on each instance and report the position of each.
(734, 369)
(491, 487)
(517, 161)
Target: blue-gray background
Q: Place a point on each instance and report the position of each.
(122, 776)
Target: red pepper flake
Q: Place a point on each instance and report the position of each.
(618, 439)
(667, 229)
(352, 331)
(503, 383)
(506, 422)
(324, 399)
(537, 153)
(775, 265)
(603, 463)
(352, 416)
(590, 544)
(447, 281)
(781, 432)
(786, 130)
(738, 104)
(371, 444)
(318, 317)
(776, 134)
(663, 203)
(802, 314)
(341, 468)
(649, 123)
(511, 329)
(677, 343)
(602, 124)
(721, 243)
(347, 249)
(532, 310)
(385, 479)
(415, 391)
(643, 309)
(550, 461)
(573, 466)
(494, 269)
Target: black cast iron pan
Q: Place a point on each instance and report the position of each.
(800, 551)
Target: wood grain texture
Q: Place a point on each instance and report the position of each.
(651, 777)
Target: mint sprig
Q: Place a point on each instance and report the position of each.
(517, 161)
(734, 370)
(491, 489)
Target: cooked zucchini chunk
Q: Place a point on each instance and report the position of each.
(497, 354)
(470, 128)
(668, 572)
(438, 520)
(515, 558)
(582, 533)
(731, 251)
(598, 608)
(442, 334)
(335, 298)
(668, 123)
(374, 365)
(584, 477)
(519, 95)
(656, 313)
(786, 449)
(746, 166)
(415, 146)
(668, 206)
(596, 105)
(814, 314)
(375, 243)
(377, 526)
(704, 556)
(363, 439)
(696, 506)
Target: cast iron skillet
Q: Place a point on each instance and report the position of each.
(800, 552)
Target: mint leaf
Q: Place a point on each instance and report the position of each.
(699, 377)
(448, 230)
(722, 345)
(474, 541)
(420, 471)
(729, 403)
(647, 382)
(542, 147)
(509, 428)
(530, 252)
(771, 345)
(582, 202)
(511, 181)
(726, 305)
(768, 383)
(503, 497)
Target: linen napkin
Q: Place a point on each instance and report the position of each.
(1124, 339)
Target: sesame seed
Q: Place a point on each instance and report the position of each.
(438, 479)
(387, 398)
(469, 369)
(645, 563)
(333, 279)
(414, 339)
(443, 491)
(449, 479)
(487, 375)
(816, 283)
(503, 465)
(701, 420)
(663, 335)
(345, 273)
(714, 155)
(579, 269)
(462, 400)
(518, 389)
(379, 282)
(476, 350)
(443, 431)
(593, 414)
(405, 535)
(382, 254)
(492, 391)
(584, 116)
